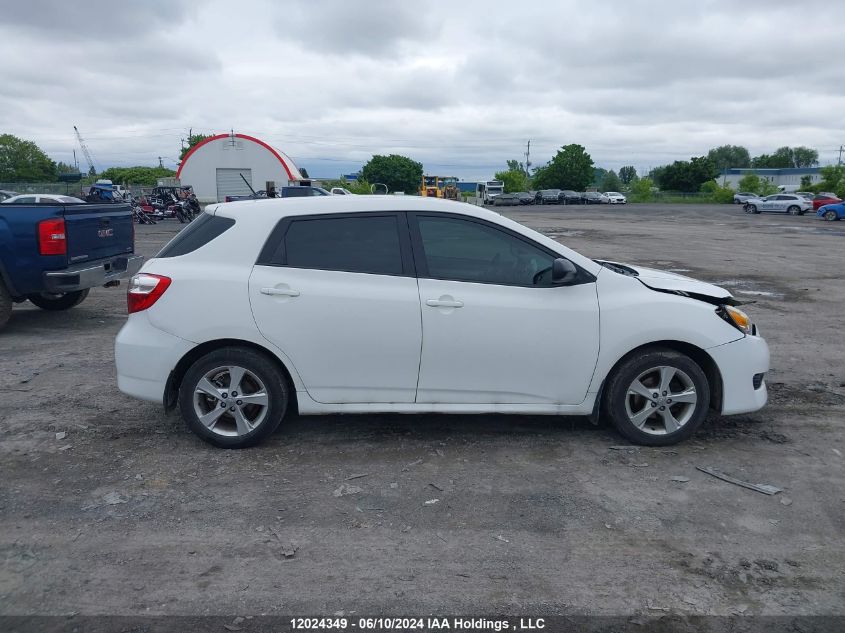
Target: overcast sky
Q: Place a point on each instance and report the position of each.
(459, 85)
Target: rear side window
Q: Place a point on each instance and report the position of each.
(198, 233)
(368, 244)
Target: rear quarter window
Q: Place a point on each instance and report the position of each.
(198, 233)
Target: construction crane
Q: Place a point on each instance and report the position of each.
(85, 151)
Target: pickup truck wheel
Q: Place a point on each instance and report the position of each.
(657, 398)
(233, 397)
(5, 305)
(63, 301)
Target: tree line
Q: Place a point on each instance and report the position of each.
(571, 167)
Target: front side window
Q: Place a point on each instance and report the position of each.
(463, 250)
(368, 244)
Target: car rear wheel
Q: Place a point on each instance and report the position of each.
(830, 216)
(794, 210)
(5, 305)
(233, 397)
(751, 208)
(59, 301)
(657, 397)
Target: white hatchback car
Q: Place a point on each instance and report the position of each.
(363, 304)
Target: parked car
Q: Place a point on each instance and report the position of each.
(742, 196)
(779, 203)
(506, 200)
(594, 197)
(525, 197)
(5, 193)
(805, 194)
(821, 199)
(53, 253)
(832, 212)
(567, 196)
(547, 196)
(42, 198)
(614, 197)
(408, 304)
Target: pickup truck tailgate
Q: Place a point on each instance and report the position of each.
(97, 231)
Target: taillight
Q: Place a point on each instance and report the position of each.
(144, 290)
(51, 237)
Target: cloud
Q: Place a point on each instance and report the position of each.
(458, 86)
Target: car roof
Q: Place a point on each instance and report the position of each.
(306, 205)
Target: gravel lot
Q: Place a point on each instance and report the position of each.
(107, 506)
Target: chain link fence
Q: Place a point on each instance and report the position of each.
(60, 188)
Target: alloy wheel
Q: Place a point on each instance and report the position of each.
(661, 400)
(230, 401)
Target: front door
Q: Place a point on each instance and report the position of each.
(338, 296)
(495, 331)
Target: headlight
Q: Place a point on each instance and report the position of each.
(737, 318)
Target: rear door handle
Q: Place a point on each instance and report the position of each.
(280, 292)
(444, 303)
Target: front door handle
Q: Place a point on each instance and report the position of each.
(280, 292)
(444, 302)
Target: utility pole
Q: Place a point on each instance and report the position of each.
(841, 149)
(528, 159)
(160, 164)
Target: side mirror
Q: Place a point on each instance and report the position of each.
(563, 272)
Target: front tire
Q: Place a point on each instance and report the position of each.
(233, 397)
(64, 301)
(830, 216)
(657, 397)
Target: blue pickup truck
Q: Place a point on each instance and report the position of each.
(52, 254)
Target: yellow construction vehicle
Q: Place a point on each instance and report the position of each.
(430, 187)
(440, 187)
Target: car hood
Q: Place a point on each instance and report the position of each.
(665, 281)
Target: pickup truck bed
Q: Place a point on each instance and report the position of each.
(52, 254)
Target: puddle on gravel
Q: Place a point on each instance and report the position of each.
(557, 234)
(750, 288)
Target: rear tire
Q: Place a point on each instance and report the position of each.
(794, 210)
(5, 305)
(64, 301)
(678, 409)
(211, 404)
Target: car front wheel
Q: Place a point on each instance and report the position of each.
(657, 398)
(830, 216)
(233, 397)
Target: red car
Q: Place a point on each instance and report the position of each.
(821, 199)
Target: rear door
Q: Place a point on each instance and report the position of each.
(781, 202)
(98, 231)
(337, 294)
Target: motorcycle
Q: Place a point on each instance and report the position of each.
(141, 217)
